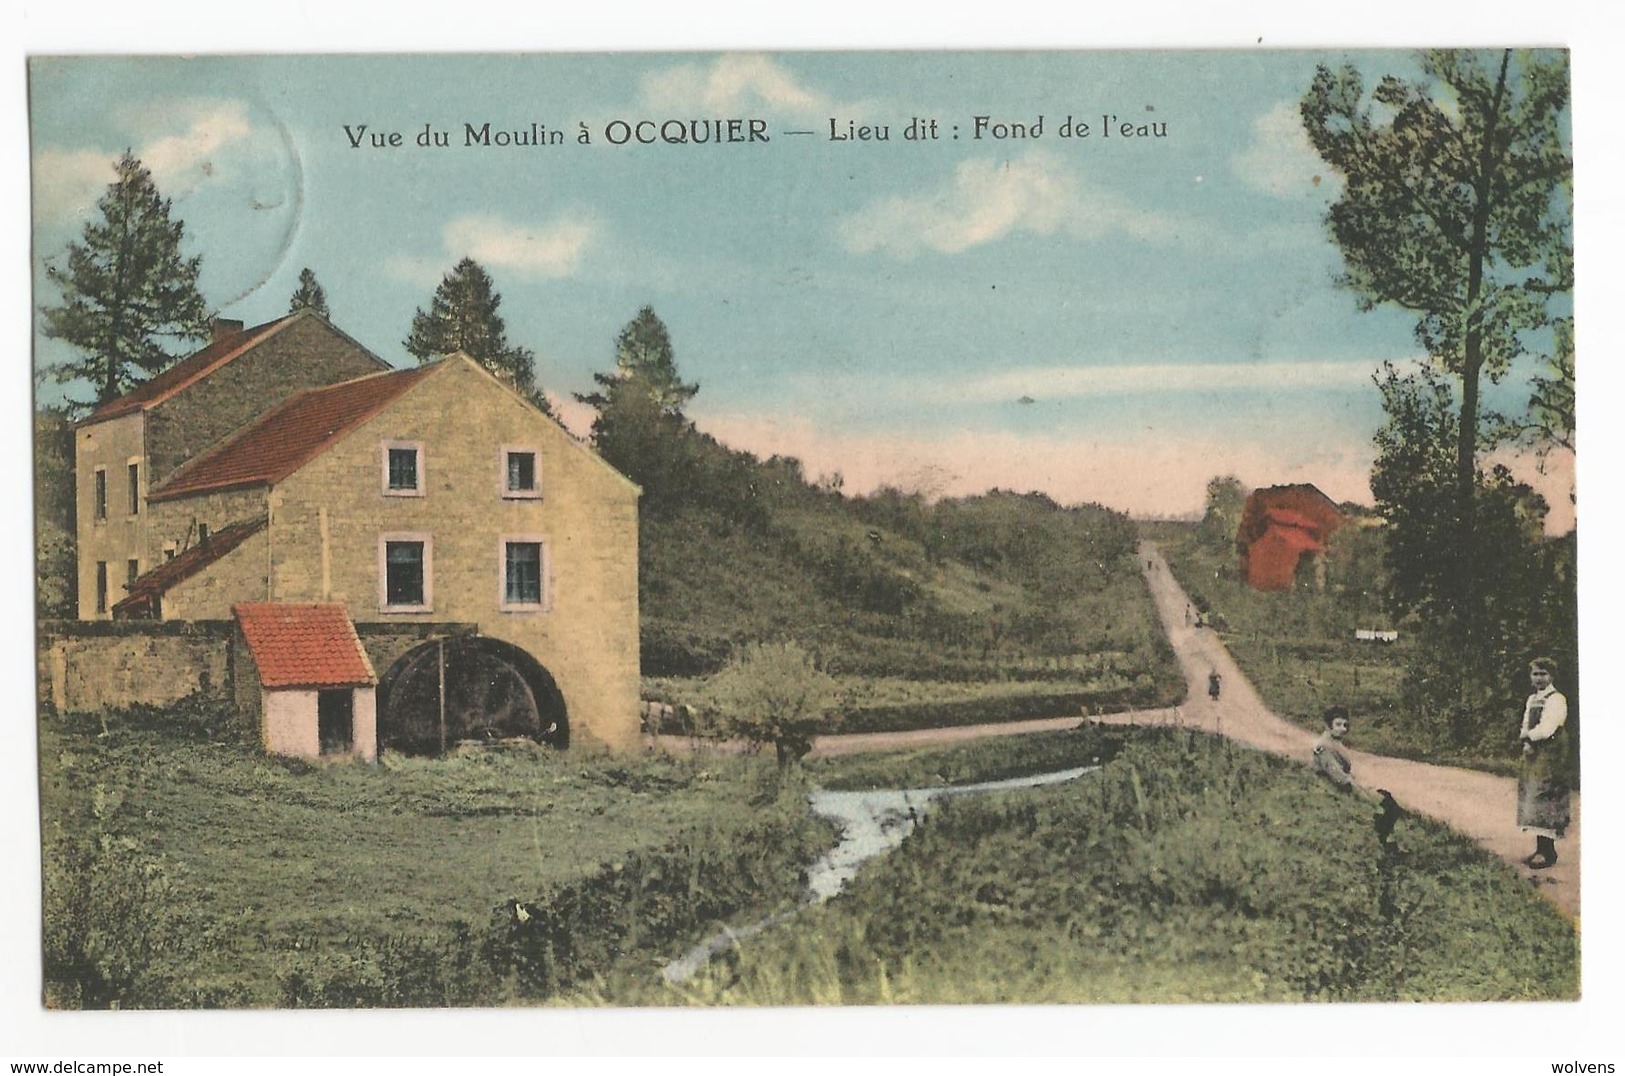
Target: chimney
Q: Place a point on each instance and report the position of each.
(220, 328)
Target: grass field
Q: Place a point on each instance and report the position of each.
(248, 869)
(185, 870)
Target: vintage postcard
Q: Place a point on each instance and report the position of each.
(805, 529)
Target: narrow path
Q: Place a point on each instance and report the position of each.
(1479, 805)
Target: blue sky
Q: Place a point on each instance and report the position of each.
(1104, 318)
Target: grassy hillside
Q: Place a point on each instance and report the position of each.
(996, 589)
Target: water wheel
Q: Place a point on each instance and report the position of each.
(467, 689)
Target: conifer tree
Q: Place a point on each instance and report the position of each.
(462, 316)
(309, 296)
(124, 286)
(640, 428)
(644, 355)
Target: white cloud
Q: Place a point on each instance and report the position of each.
(67, 182)
(1075, 382)
(182, 155)
(191, 155)
(986, 200)
(736, 85)
(1280, 159)
(549, 250)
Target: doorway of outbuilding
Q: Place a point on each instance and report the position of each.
(335, 721)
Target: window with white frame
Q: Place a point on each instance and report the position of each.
(101, 586)
(521, 473)
(101, 494)
(405, 573)
(524, 573)
(403, 469)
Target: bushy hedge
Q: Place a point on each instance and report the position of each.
(989, 711)
(672, 648)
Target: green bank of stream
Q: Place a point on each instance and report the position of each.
(871, 824)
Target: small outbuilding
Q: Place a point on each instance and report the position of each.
(1283, 534)
(306, 682)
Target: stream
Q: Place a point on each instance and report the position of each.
(872, 824)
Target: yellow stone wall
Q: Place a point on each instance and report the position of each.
(148, 663)
(328, 518)
(239, 576)
(111, 445)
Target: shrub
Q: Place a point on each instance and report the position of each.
(774, 693)
(111, 924)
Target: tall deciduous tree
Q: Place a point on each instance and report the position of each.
(1456, 205)
(1551, 399)
(309, 295)
(124, 287)
(462, 316)
(1222, 509)
(1482, 616)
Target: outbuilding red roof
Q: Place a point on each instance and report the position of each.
(161, 387)
(311, 645)
(290, 435)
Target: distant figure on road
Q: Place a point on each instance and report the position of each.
(1187, 613)
(1213, 684)
(1544, 774)
(1329, 759)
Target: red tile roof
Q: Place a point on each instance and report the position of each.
(190, 369)
(304, 645)
(148, 589)
(290, 435)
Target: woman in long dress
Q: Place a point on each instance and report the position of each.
(1544, 775)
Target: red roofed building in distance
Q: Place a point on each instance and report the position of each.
(1282, 536)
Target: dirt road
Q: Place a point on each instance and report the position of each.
(1478, 805)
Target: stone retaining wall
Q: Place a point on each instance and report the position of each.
(91, 666)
